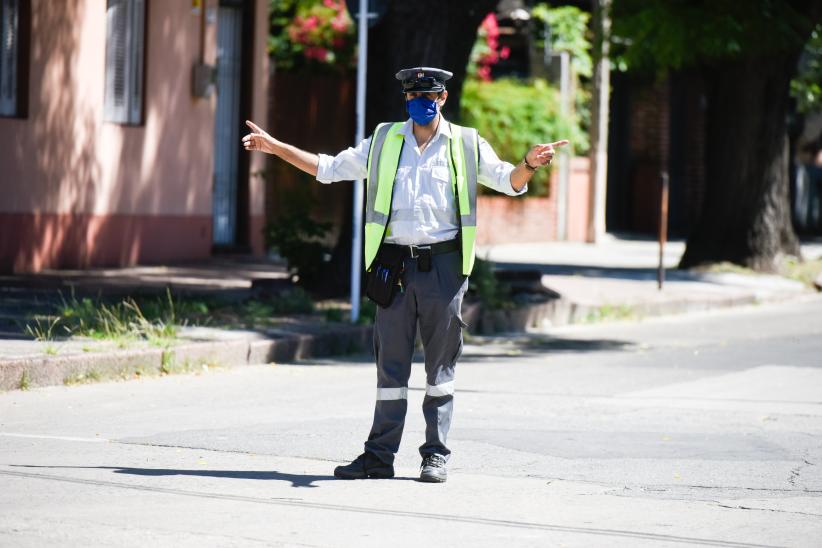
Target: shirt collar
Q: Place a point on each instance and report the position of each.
(443, 129)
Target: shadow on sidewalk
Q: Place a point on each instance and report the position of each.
(297, 480)
(507, 346)
(592, 271)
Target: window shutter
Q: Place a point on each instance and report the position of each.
(125, 30)
(115, 98)
(9, 23)
(135, 93)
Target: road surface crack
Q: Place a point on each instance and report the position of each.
(797, 470)
(776, 510)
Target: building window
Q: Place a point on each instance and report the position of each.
(125, 37)
(13, 56)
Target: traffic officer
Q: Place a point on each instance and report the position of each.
(421, 207)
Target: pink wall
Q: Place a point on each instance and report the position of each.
(70, 177)
(503, 219)
(260, 84)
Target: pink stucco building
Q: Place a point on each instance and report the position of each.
(118, 142)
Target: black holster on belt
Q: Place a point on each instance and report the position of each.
(382, 280)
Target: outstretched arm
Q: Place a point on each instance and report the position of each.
(259, 140)
(539, 155)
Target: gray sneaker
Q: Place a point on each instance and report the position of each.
(433, 469)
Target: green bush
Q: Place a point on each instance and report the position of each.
(493, 294)
(292, 301)
(513, 116)
(296, 237)
(567, 27)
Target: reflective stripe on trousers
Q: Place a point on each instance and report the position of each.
(432, 299)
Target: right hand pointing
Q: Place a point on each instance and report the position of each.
(258, 139)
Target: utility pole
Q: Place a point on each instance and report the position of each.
(356, 248)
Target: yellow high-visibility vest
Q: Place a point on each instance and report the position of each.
(383, 160)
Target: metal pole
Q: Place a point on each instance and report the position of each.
(663, 228)
(599, 121)
(356, 246)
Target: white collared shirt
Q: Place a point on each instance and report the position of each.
(422, 209)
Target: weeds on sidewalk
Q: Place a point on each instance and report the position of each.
(120, 322)
(42, 329)
(25, 381)
(337, 312)
(611, 313)
(124, 320)
(802, 271)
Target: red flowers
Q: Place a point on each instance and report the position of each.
(322, 32)
(486, 49)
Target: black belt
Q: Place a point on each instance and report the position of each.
(415, 251)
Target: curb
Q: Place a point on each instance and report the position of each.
(562, 311)
(39, 371)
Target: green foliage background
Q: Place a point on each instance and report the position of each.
(297, 237)
(806, 88)
(512, 116)
(671, 34)
(569, 32)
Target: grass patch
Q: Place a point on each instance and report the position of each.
(494, 294)
(726, 267)
(335, 311)
(368, 312)
(792, 268)
(611, 313)
(293, 301)
(92, 375)
(42, 329)
(168, 361)
(334, 315)
(122, 322)
(25, 381)
(802, 271)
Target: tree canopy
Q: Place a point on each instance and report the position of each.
(672, 34)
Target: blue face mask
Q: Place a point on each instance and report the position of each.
(422, 110)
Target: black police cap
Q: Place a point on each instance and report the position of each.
(423, 79)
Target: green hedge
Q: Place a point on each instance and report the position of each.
(513, 116)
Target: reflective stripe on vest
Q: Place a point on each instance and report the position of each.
(463, 155)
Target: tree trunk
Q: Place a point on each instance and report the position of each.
(746, 213)
(411, 34)
(428, 33)
(600, 115)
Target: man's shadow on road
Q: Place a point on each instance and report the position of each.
(297, 480)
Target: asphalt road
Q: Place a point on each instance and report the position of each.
(698, 430)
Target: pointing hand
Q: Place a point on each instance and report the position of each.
(258, 139)
(542, 154)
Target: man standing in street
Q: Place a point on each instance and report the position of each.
(420, 228)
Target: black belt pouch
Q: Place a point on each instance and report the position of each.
(382, 280)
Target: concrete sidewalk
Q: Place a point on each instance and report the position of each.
(615, 280)
(53, 360)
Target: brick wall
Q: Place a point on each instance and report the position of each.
(667, 121)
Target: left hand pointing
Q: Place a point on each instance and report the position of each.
(542, 154)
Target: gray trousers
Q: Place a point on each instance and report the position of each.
(433, 299)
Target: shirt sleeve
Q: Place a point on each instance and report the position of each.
(495, 173)
(348, 165)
